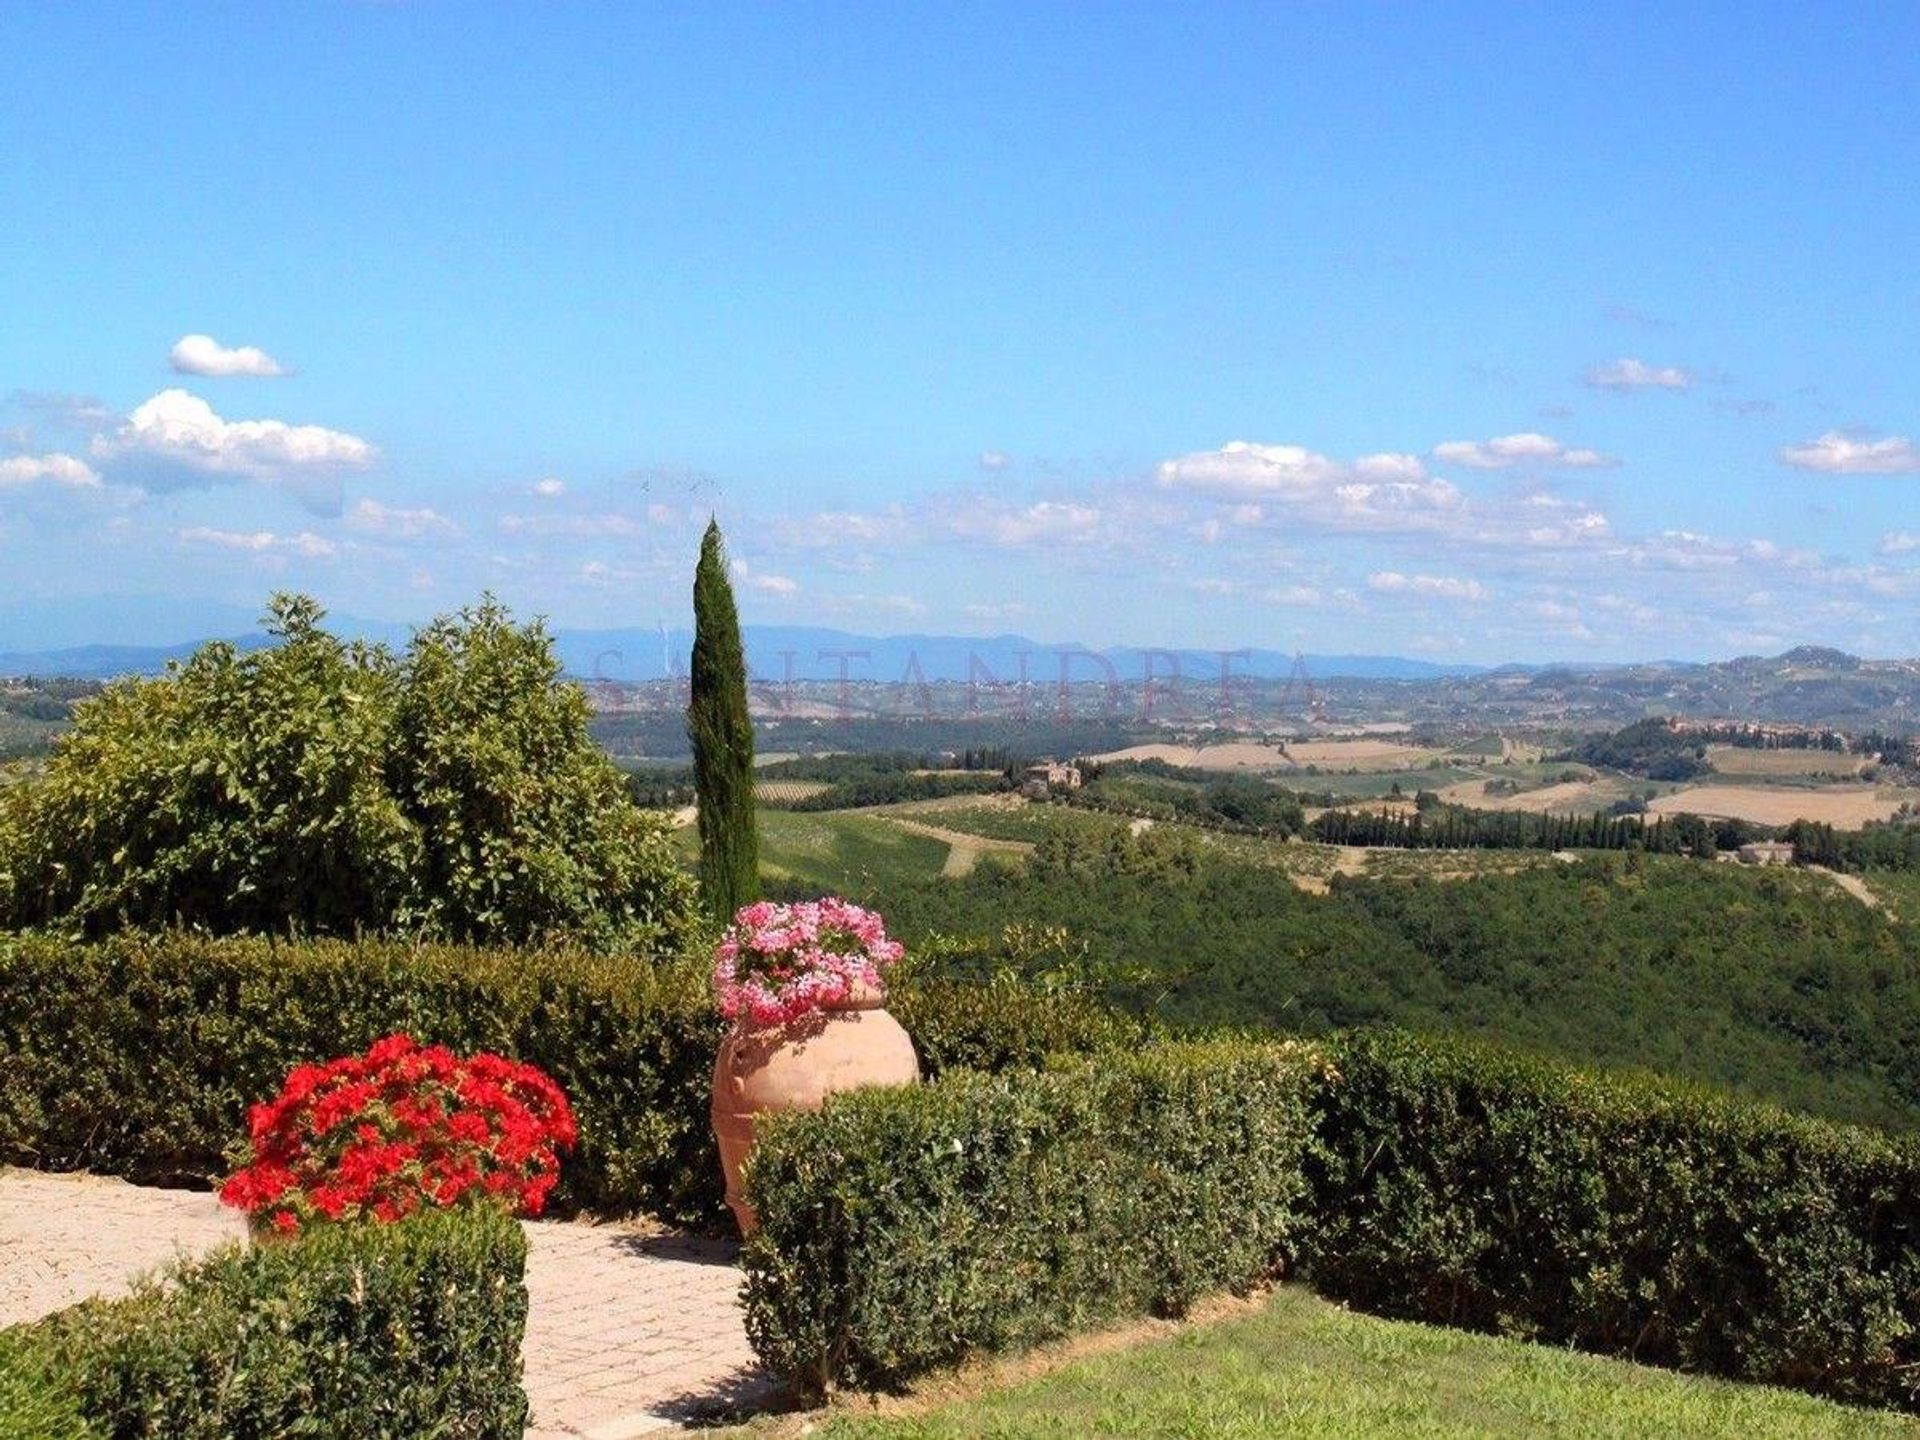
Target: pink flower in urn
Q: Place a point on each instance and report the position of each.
(779, 962)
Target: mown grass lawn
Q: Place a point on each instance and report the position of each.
(1301, 1366)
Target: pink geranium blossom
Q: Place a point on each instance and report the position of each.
(779, 962)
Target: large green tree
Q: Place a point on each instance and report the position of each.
(722, 736)
(320, 786)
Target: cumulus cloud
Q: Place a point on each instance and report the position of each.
(551, 488)
(1242, 470)
(1441, 587)
(54, 469)
(995, 460)
(204, 355)
(1529, 450)
(391, 522)
(1837, 453)
(1899, 542)
(1627, 373)
(262, 542)
(178, 431)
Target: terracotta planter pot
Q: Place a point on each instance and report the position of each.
(763, 1069)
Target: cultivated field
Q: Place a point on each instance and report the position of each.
(1567, 797)
(786, 792)
(1738, 760)
(1360, 754)
(1845, 807)
(1236, 755)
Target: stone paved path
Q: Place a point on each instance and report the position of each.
(630, 1330)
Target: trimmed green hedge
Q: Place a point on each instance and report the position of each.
(1439, 1180)
(139, 1055)
(390, 1331)
(902, 1229)
(1460, 1184)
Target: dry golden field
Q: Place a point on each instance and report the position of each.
(1845, 807)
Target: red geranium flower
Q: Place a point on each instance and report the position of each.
(377, 1136)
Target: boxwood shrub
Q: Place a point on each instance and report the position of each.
(902, 1229)
(1465, 1185)
(393, 1331)
(138, 1055)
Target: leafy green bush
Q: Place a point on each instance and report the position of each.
(902, 1229)
(1003, 1023)
(385, 1330)
(325, 787)
(1473, 1187)
(138, 1055)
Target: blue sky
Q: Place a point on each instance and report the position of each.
(1463, 332)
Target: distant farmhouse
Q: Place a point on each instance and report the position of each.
(1766, 852)
(1043, 777)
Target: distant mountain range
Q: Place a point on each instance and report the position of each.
(1810, 684)
(634, 656)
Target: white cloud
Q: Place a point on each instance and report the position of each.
(390, 522)
(1289, 486)
(1529, 450)
(203, 355)
(1242, 470)
(56, 469)
(262, 542)
(1044, 522)
(180, 430)
(1442, 587)
(779, 586)
(995, 460)
(835, 529)
(1899, 542)
(1011, 610)
(1627, 373)
(575, 527)
(551, 488)
(1837, 453)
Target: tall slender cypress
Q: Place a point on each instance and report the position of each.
(722, 737)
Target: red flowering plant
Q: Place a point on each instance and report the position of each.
(401, 1128)
(779, 962)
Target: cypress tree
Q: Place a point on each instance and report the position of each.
(722, 737)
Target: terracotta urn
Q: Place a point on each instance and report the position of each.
(767, 1068)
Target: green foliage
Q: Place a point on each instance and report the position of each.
(902, 1229)
(1002, 1023)
(326, 787)
(138, 1055)
(1614, 1213)
(1239, 804)
(395, 1330)
(722, 736)
(1764, 982)
(1649, 747)
(35, 1402)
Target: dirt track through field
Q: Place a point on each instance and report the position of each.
(963, 851)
